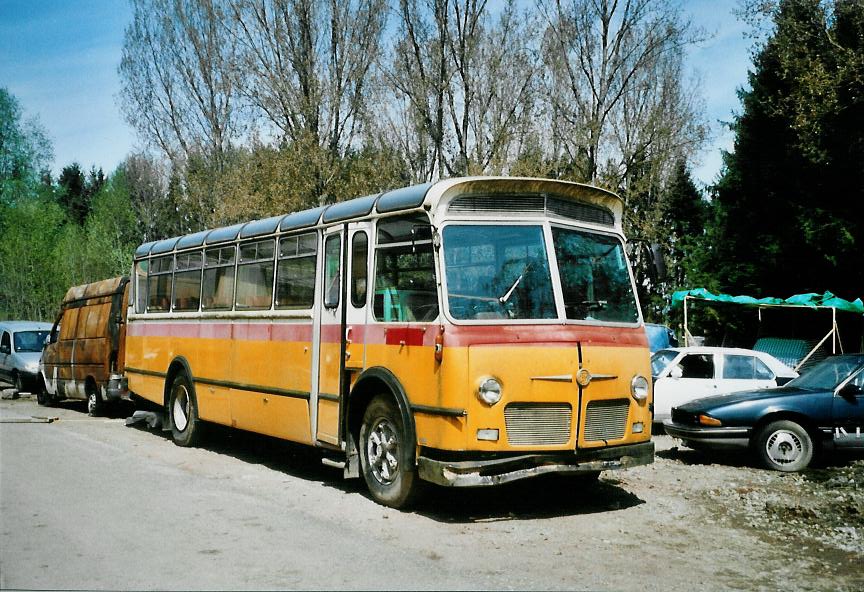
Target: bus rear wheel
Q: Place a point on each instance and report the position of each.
(183, 412)
(385, 455)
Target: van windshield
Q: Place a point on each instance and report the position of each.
(30, 341)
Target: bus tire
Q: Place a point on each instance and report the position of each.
(386, 455)
(183, 412)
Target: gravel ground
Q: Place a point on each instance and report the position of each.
(688, 521)
(817, 515)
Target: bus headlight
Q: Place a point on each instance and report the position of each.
(489, 391)
(639, 388)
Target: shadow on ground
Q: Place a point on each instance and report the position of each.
(547, 496)
(542, 497)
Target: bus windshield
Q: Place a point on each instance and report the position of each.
(502, 272)
(594, 277)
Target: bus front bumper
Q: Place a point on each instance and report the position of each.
(478, 473)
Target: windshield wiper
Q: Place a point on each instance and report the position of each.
(594, 304)
(503, 299)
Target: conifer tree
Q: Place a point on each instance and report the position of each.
(788, 202)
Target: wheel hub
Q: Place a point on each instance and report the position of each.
(382, 449)
(784, 447)
(180, 409)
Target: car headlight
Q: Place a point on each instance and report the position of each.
(489, 391)
(639, 387)
(31, 366)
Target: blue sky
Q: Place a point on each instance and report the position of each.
(60, 58)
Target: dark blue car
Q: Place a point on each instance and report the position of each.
(822, 409)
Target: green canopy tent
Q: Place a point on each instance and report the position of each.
(810, 300)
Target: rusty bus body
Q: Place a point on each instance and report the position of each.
(85, 354)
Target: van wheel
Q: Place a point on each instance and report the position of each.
(386, 455)
(183, 411)
(42, 396)
(94, 402)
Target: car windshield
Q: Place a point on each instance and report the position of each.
(660, 360)
(502, 272)
(30, 341)
(828, 373)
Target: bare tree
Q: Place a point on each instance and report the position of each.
(178, 83)
(614, 69)
(462, 82)
(413, 85)
(490, 98)
(307, 67)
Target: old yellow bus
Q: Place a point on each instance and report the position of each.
(467, 332)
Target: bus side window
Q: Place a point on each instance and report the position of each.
(218, 283)
(187, 281)
(332, 284)
(159, 283)
(405, 286)
(255, 275)
(141, 285)
(295, 274)
(359, 256)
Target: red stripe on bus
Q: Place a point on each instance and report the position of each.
(544, 335)
(240, 330)
(414, 334)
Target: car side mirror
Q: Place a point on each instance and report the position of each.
(4, 349)
(676, 372)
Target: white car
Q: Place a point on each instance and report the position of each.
(683, 374)
(20, 347)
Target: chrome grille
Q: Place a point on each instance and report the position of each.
(536, 424)
(606, 420)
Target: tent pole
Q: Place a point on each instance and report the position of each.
(686, 330)
(813, 351)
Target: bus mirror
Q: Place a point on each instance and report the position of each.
(659, 261)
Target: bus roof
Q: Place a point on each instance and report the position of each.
(428, 195)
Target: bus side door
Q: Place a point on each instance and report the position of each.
(343, 321)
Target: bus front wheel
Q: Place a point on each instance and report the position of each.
(183, 411)
(385, 455)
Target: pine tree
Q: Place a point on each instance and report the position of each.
(788, 202)
(73, 193)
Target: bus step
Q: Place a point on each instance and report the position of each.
(332, 462)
